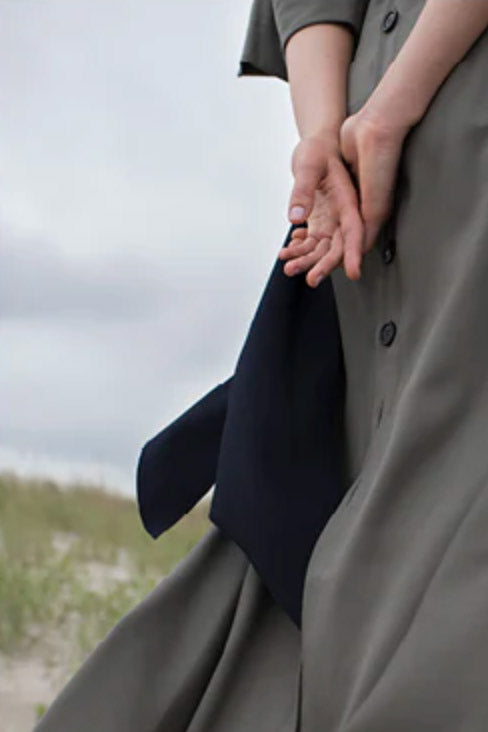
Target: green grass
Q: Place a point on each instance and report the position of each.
(43, 588)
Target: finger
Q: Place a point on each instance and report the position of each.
(350, 222)
(377, 172)
(298, 248)
(353, 236)
(297, 236)
(301, 264)
(296, 240)
(307, 178)
(328, 262)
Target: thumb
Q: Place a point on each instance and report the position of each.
(307, 179)
(371, 231)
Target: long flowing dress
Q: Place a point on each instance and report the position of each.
(394, 633)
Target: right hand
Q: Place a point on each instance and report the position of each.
(371, 144)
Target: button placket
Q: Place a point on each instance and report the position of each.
(387, 329)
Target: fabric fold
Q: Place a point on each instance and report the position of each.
(270, 438)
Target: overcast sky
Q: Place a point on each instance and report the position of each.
(143, 195)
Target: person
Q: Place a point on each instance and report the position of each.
(390, 179)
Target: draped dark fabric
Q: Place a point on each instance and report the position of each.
(270, 439)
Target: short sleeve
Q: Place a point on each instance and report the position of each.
(262, 54)
(272, 23)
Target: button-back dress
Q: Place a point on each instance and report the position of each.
(394, 631)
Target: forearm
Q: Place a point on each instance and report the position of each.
(318, 58)
(445, 30)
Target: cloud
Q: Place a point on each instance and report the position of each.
(143, 195)
(41, 281)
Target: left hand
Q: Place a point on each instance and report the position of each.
(325, 193)
(341, 228)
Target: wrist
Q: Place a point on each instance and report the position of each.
(395, 103)
(328, 136)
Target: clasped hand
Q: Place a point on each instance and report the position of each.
(343, 190)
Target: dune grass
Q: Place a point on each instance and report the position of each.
(52, 538)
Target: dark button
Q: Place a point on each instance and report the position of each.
(390, 20)
(387, 333)
(388, 252)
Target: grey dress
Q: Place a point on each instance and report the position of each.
(395, 617)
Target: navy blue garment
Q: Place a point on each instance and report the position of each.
(270, 438)
(178, 466)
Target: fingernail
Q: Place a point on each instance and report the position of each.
(319, 280)
(297, 212)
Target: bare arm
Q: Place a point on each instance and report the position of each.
(445, 30)
(371, 140)
(317, 59)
